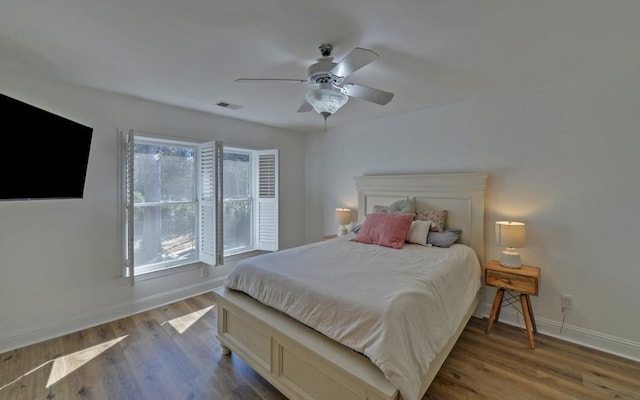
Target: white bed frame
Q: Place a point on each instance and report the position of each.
(304, 364)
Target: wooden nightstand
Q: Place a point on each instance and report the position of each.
(523, 280)
(329, 237)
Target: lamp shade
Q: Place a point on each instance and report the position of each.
(510, 234)
(326, 101)
(343, 216)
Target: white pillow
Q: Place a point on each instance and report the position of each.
(418, 232)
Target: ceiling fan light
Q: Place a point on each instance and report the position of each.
(326, 100)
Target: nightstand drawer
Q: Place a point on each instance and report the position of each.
(522, 284)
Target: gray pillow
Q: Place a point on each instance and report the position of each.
(444, 239)
(402, 206)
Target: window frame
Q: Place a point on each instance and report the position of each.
(126, 206)
(265, 205)
(251, 198)
(161, 266)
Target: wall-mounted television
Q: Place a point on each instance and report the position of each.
(44, 155)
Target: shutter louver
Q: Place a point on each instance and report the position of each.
(219, 204)
(266, 176)
(207, 243)
(128, 192)
(267, 221)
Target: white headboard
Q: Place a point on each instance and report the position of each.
(461, 194)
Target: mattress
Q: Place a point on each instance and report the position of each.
(397, 307)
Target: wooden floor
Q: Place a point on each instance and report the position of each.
(171, 353)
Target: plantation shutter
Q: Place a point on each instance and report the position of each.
(210, 196)
(128, 214)
(219, 203)
(206, 197)
(267, 200)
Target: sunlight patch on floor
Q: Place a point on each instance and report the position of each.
(183, 323)
(6, 385)
(63, 366)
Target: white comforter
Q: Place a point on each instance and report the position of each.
(397, 307)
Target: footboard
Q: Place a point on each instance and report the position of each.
(298, 361)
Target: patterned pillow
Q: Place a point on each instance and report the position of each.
(437, 217)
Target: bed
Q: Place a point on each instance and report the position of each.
(275, 330)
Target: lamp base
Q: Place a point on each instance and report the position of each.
(343, 231)
(510, 259)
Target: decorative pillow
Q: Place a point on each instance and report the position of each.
(437, 217)
(402, 206)
(444, 239)
(356, 229)
(398, 206)
(418, 232)
(389, 230)
(381, 210)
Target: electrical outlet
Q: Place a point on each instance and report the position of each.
(567, 302)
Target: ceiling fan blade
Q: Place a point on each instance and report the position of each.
(305, 107)
(366, 93)
(242, 80)
(355, 60)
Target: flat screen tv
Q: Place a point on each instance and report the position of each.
(45, 155)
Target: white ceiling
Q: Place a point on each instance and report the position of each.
(432, 52)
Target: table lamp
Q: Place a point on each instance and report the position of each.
(511, 235)
(343, 218)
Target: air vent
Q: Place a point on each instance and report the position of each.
(230, 106)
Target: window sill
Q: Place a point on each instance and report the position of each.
(241, 256)
(204, 268)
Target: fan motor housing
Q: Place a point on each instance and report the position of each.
(320, 72)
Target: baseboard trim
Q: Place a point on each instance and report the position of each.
(585, 337)
(40, 333)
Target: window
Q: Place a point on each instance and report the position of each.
(195, 202)
(238, 201)
(250, 205)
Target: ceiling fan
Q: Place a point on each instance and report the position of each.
(331, 91)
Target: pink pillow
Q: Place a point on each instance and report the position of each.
(389, 230)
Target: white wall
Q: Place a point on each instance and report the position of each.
(59, 259)
(564, 159)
